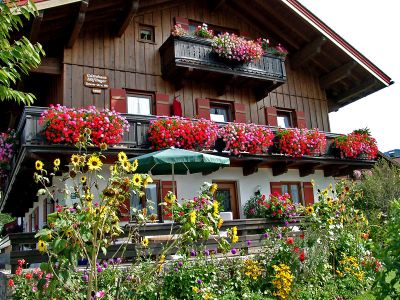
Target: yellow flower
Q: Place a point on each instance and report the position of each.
(213, 188)
(153, 218)
(134, 165)
(215, 209)
(162, 259)
(234, 230)
(94, 163)
(126, 165)
(137, 179)
(310, 209)
(69, 233)
(195, 289)
(75, 159)
(192, 217)
(88, 131)
(57, 162)
(42, 246)
(170, 197)
(122, 157)
(147, 180)
(83, 179)
(89, 197)
(220, 222)
(145, 242)
(103, 146)
(330, 221)
(81, 138)
(39, 165)
(235, 239)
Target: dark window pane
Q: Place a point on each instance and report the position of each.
(219, 114)
(223, 196)
(295, 195)
(151, 198)
(285, 188)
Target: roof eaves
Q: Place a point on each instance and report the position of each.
(338, 40)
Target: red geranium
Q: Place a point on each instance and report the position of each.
(290, 241)
(298, 142)
(302, 256)
(356, 144)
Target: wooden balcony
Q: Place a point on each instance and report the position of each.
(185, 58)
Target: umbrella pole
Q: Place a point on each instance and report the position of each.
(173, 179)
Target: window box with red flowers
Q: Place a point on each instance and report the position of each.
(182, 133)
(358, 144)
(65, 125)
(251, 138)
(298, 142)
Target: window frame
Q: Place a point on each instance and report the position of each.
(287, 112)
(228, 105)
(141, 94)
(299, 187)
(143, 200)
(146, 27)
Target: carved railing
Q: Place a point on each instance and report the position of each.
(192, 53)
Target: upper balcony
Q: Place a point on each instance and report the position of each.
(189, 57)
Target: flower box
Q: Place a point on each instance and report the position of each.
(357, 145)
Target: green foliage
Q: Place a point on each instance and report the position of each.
(17, 57)
(4, 219)
(388, 283)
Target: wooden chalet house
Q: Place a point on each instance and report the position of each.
(128, 45)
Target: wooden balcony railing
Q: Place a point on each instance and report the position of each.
(23, 245)
(192, 57)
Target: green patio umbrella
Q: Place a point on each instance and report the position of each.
(179, 161)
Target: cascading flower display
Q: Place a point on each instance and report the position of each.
(358, 144)
(7, 149)
(283, 281)
(240, 137)
(178, 30)
(182, 133)
(203, 31)
(298, 142)
(68, 125)
(237, 48)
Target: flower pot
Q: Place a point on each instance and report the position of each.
(219, 144)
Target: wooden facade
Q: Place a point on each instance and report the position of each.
(135, 65)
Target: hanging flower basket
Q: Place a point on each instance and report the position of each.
(357, 145)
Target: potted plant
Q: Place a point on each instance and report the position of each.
(358, 144)
(8, 142)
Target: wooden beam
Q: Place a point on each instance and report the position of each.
(49, 65)
(307, 52)
(251, 167)
(215, 4)
(279, 168)
(35, 29)
(334, 170)
(355, 91)
(337, 74)
(127, 16)
(80, 19)
(307, 169)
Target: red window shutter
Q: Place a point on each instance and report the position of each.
(276, 187)
(118, 100)
(300, 119)
(308, 193)
(162, 105)
(203, 108)
(240, 112)
(125, 210)
(167, 186)
(176, 108)
(271, 116)
(183, 22)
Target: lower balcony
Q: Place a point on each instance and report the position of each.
(192, 58)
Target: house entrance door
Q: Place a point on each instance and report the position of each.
(227, 196)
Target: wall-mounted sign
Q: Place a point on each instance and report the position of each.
(96, 91)
(95, 81)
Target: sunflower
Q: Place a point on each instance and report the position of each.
(57, 162)
(170, 197)
(147, 180)
(42, 246)
(94, 163)
(126, 165)
(83, 179)
(192, 217)
(88, 131)
(75, 159)
(145, 242)
(153, 218)
(72, 174)
(310, 210)
(213, 188)
(89, 197)
(81, 138)
(134, 165)
(220, 222)
(69, 233)
(103, 146)
(137, 179)
(39, 165)
(330, 221)
(122, 157)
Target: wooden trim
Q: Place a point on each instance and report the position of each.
(126, 17)
(307, 52)
(232, 186)
(337, 74)
(35, 29)
(49, 65)
(80, 19)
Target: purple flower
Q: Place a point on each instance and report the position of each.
(105, 265)
(180, 264)
(206, 252)
(266, 235)
(176, 269)
(280, 236)
(249, 243)
(234, 251)
(286, 223)
(193, 252)
(199, 281)
(99, 269)
(100, 294)
(119, 260)
(85, 277)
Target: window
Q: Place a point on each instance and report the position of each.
(146, 33)
(294, 190)
(220, 111)
(285, 119)
(216, 29)
(139, 104)
(150, 198)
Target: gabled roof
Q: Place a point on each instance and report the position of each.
(345, 73)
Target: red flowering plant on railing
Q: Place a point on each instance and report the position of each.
(296, 142)
(8, 141)
(251, 138)
(276, 206)
(67, 125)
(358, 144)
(278, 50)
(182, 133)
(203, 31)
